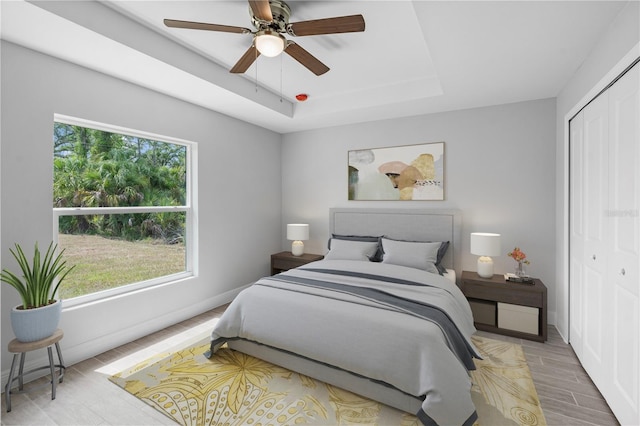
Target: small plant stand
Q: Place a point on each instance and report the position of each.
(21, 348)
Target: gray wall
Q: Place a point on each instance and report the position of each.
(499, 171)
(614, 51)
(239, 193)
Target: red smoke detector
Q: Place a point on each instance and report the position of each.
(302, 97)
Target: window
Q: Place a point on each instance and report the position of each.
(123, 208)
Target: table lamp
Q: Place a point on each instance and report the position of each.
(485, 245)
(297, 232)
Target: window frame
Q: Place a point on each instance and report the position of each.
(190, 210)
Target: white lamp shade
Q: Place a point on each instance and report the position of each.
(297, 231)
(485, 244)
(269, 44)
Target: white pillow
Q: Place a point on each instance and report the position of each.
(412, 254)
(351, 250)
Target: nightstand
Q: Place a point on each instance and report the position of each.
(284, 261)
(502, 307)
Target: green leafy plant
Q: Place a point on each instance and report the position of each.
(40, 277)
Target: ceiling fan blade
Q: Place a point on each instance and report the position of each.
(261, 9)
(245, 62)
(305, 58)
(204, 26)
(341, 24)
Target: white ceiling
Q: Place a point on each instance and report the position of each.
(415, 57)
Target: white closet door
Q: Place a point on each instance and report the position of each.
(576, 231)
(623, 277)
(605, 243)
(596, 321)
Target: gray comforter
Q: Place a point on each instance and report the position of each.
(400, 326)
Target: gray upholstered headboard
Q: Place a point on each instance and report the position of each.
(403, 224)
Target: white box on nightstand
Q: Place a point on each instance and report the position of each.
(518, 318)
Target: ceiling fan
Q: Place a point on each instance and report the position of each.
(271, 20)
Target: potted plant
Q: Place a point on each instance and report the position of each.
(39, 314)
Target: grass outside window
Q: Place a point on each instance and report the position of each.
(105, 263)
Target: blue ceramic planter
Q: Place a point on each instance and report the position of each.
(30, 325)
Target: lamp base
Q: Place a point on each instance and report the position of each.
(485, 267)
(297, 248)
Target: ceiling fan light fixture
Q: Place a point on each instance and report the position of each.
(269, 43)
(270, 18)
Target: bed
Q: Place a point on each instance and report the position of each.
(369, 318)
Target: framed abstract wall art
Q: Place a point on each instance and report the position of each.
(409, 172)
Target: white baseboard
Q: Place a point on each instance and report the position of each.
(74, 355)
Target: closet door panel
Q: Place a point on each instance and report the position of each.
(596, 134)
(576, 232)
(593, 347)
(624, 243)
(576, 304)
(577, 177)
(597, 322)
(624, 171)
(623, 394)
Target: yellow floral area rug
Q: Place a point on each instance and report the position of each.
(232, 388)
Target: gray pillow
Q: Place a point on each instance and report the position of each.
(411, 254)
(377, 257)
(351, 250)
(441, 252)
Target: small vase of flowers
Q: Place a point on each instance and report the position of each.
(521, 259)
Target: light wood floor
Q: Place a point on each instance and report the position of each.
(86, 397)
(566, 393)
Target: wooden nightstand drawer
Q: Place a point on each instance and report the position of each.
(506, 292)
(524, 306)
(284, 261)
